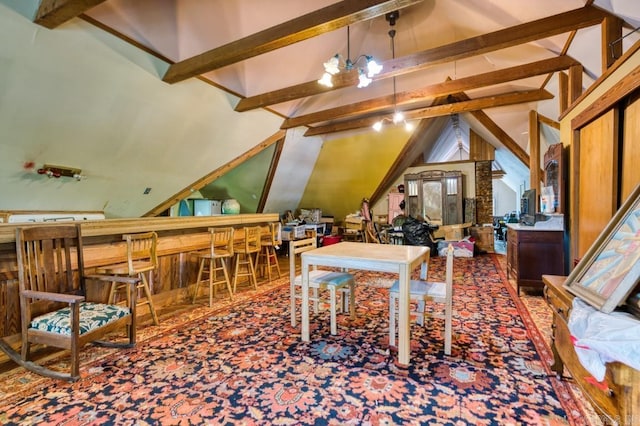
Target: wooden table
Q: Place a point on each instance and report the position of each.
(373, 257)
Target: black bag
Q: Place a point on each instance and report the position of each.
(416, 233)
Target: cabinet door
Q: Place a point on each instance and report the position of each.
(395, 198)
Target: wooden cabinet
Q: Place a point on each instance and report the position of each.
(395, 198)
(618, 396)
(484, 238)
(532, 253)
(435, 195)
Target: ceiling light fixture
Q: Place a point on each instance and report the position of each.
(398, 116)
(336, 63)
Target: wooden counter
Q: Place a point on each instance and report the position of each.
(103, 245)
(618, 396)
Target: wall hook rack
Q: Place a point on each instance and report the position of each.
(59, 171)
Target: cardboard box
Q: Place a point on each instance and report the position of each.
(292, 232)
(452, 232)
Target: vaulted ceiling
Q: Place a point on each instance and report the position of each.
(486, 63)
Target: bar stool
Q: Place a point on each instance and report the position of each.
(215, 259)
(141, 258)
(268, 258)
(244, 252)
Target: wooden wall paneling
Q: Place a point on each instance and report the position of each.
(597, 180)
(630, 173)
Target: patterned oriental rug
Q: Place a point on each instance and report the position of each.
(243, 363)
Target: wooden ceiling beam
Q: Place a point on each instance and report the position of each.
(52, 13)
(508, 37)
(318, 22)
(439, 110)
(497, 131)
(429, 92)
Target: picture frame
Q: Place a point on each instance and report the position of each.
(610, 270)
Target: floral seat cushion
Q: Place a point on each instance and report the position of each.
(92, 316)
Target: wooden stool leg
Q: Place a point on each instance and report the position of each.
(227, 279)
(275, 260)
(212, 288)
(147, 292)
(252, 271)
(195, 291)
(235, 274)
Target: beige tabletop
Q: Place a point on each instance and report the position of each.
(373, 257)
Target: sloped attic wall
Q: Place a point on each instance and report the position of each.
(79, 97)
(350, 169)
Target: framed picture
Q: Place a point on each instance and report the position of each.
(610, 270)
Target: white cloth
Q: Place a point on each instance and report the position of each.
(600, 338)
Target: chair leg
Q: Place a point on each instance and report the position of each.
(332, 301)
(292, 300)
(352, 301)
(227, 279)
(147, 293)
(420, 313)
(272, 261)
(195, 291)
(252, 271)
(212, 287)
(447, 331)
(392, 320)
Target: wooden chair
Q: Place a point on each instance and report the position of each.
(244, 252)
(142, 259)
(421, 291)
(214, 260)
(334, 282)
(268, 258)
(54, 309)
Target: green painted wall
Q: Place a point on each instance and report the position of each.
(350, 169)
(245, 182)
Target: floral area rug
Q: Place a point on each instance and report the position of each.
(243, 363)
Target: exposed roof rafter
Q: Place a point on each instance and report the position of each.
(439, 110)
(507, 37)
(429, 92)
(52, 13)
(318, 22)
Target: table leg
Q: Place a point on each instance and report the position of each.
(404, 332)
(304, 309)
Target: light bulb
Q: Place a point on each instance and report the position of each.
(326, 80)
(398, 117)
(408, 126)
(373, 68)
(331, 66)
(363, 79)
(377, 126)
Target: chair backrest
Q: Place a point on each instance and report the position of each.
(251, 242)
(295, 248)
(221, 241)
(275, 229)
(141, 251)
(49, 260)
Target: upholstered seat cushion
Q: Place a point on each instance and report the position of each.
(92, 316)
(324, 278)
(419, 287)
